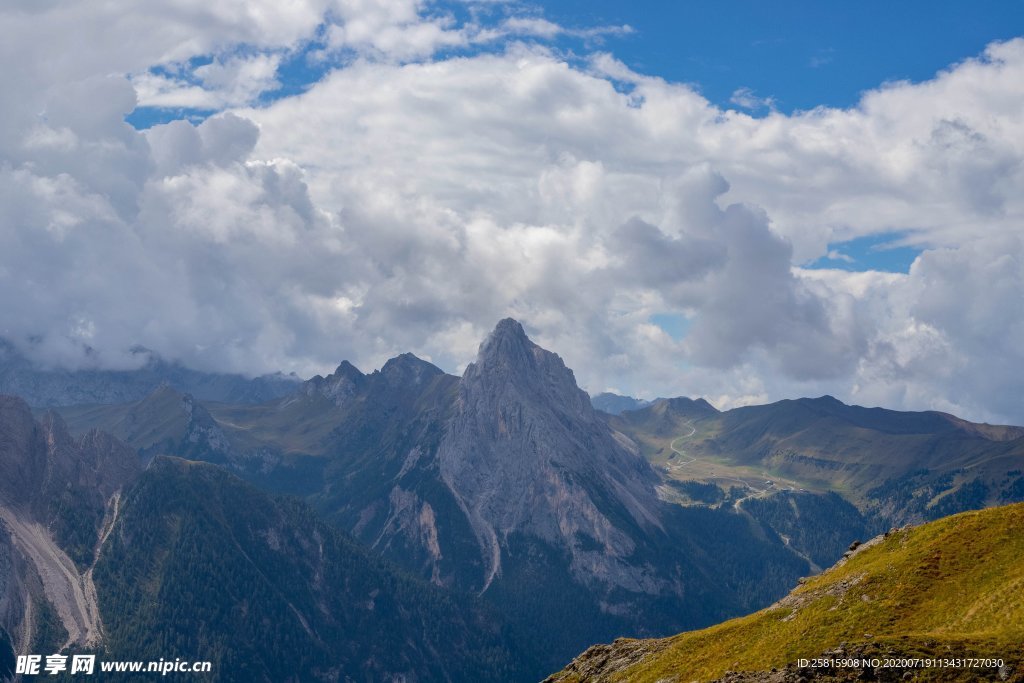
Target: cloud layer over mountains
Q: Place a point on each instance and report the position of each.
(444, 174)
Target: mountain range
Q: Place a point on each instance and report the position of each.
(504, 483)
(896, 467)
(411, 524)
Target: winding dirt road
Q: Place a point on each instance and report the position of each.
(676, 466)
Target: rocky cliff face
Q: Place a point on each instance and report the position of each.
(41, 460)
(563, 515)
(338, 387)
(525, 452)
(57, 496)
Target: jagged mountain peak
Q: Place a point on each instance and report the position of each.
(509, 362)
(507, 347)
(347, 381)
(409, 369)
(526, 452)
(338, 387)
(509, 327)
(346, 369)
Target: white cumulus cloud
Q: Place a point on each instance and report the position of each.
(407, 202)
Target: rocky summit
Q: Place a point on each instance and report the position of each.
(526, 453)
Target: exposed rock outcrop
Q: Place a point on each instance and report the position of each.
(526, 452)
(338, 387)
(52, 508)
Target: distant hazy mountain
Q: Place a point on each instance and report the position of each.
(897, 467)
(614, 404)
(47, 387)
(665, 417)
(947, 590)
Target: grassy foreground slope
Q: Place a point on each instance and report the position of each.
(949, 588)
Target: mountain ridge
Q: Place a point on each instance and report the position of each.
(97, 553)
(522, 398)
(55, 498)
(898, 467)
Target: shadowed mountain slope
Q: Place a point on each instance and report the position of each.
(185, 559)
(272, 593)
(56, 495)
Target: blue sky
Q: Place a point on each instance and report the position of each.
(885, 252)
(788, 55)
(800, 54)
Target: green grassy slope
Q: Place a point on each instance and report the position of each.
(950, 588)
(153, 420)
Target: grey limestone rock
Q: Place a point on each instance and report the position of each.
(526, 452)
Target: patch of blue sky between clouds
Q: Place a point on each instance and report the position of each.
(297, 70)
(674, 325)
(143, 118)
(492, 27)
(740, 54)
(886, 252)
(792, 54)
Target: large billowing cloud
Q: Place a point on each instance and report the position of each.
(408, 201)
